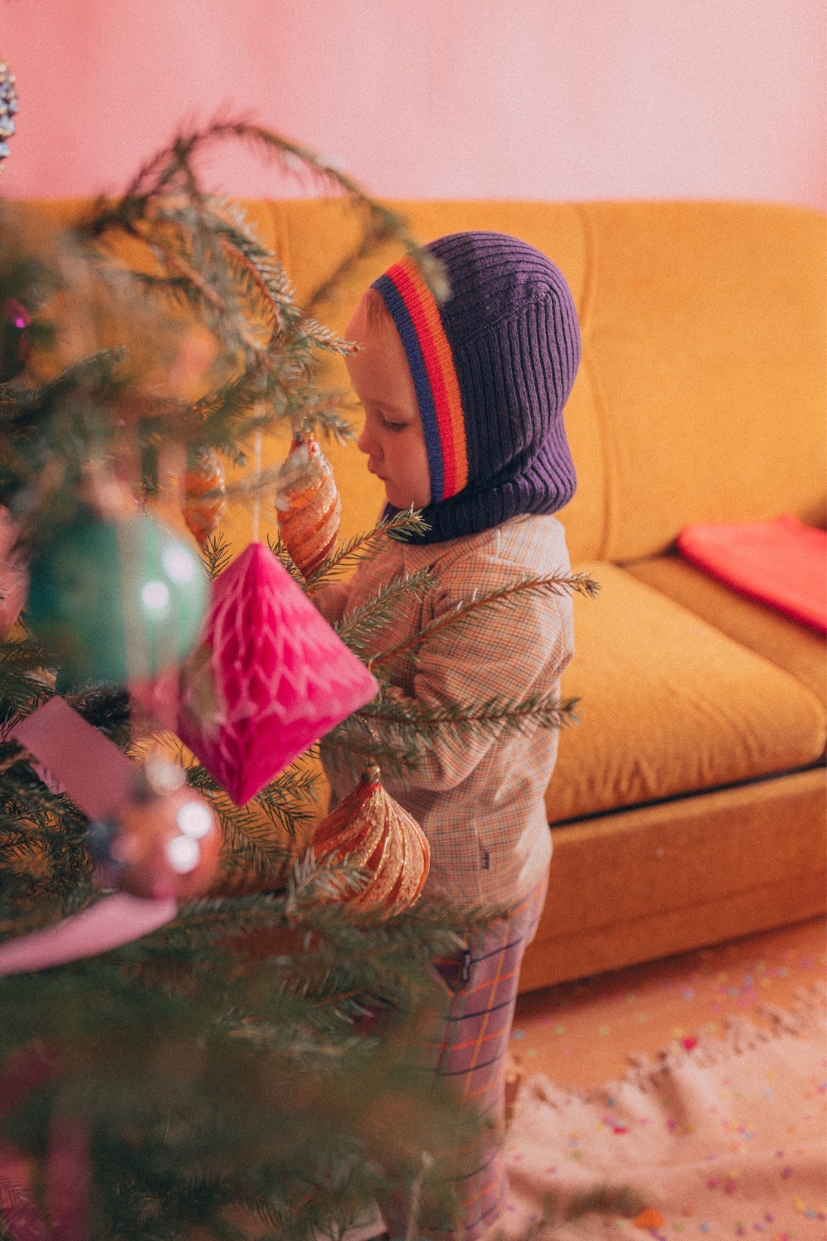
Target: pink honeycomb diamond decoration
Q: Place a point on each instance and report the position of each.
(282, 676)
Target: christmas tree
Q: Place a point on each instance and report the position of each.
(257, 1066)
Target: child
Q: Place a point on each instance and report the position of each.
(463, 420)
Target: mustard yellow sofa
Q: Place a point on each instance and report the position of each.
(688, 805)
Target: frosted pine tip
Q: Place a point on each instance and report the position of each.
(371, 773)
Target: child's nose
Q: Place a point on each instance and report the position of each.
(367, 444)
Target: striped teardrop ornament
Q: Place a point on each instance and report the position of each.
(370, 830)
(205, 501)
(308, 504)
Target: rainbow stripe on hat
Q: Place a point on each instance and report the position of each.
(414, 311)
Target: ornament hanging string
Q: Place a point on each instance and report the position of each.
(256, 484)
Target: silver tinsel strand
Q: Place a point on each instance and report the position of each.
(8, 107)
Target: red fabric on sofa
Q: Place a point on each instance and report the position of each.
(782, 563)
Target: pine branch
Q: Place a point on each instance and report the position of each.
(380, 221)
(250, 861)
(399, 733)
(368, 620)
(351, 744)
(279, 799)
(23, 684)
(216, 555)
(93, 370)
(461, 721)
(397, 526)
(258, 836)
(508, 595)
(279, 550)
(205, 257)
(159, 176)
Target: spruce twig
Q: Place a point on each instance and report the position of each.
(216, 555)
(399, 526)
(279, 550)
(463, 720)
(370, 617)
(398, 733)
(504, 596)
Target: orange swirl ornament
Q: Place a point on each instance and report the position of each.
(370, 830)
(204, 500)
(308, 504)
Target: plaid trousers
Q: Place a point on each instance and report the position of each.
(472, 1054)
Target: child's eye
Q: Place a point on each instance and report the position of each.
(392, 426)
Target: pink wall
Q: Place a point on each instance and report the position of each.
(434, 98)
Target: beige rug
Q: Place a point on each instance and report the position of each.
(722, 1137)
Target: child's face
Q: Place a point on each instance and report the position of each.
(392, 437)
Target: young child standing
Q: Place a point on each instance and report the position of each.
(463, 420)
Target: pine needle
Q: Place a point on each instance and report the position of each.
(510, 595)
(216, 554)
(375, 613)
(399, 734)
(398, 526)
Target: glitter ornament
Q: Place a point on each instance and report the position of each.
(308, 504)
(204, 498)
(8, 108)
(114, 599)
(269, 678)
(163, 845)
(370, 830)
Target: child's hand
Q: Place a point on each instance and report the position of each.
(331, 601)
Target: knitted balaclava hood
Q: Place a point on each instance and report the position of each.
(492, 367)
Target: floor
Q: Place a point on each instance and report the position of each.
(580, 1034)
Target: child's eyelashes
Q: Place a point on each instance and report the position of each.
(384, 421)
(390, 424)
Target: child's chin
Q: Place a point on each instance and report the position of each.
(401, 500)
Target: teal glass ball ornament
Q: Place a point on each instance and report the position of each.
(116, 600)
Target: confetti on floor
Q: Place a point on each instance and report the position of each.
(581, 1033)
(719, 1139)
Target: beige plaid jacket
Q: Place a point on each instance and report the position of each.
(480, 802)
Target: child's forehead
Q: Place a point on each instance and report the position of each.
(371, 324)
(357, 325)
(380, 371)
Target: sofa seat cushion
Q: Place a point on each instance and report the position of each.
(796, 648)
(669, 705)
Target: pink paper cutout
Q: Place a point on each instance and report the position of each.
(100, 779)
(91, 768)
(282, 676)
(116, 920)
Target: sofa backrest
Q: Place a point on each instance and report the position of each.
(705, 360)
(701, 395)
